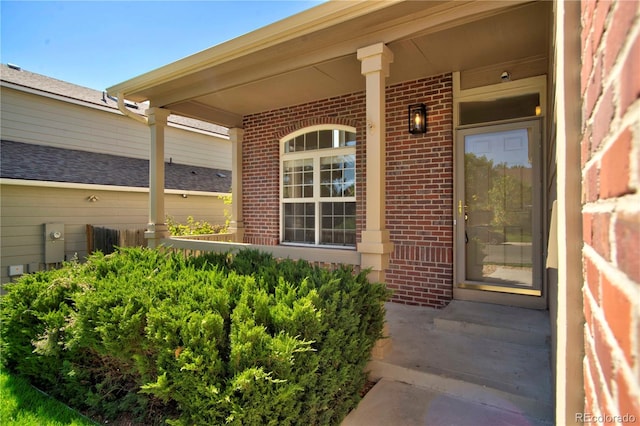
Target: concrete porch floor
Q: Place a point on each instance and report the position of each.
(467, 364)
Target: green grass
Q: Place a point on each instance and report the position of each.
(22, 404)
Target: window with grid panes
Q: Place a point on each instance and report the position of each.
(318, 187)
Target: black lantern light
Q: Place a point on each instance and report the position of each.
(417, 119)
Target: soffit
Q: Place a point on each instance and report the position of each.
(426, 38)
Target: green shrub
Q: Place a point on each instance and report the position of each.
(194, 227)
(216, 339)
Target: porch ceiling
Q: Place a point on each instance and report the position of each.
(313, 55)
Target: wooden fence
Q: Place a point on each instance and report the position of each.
(105, 239)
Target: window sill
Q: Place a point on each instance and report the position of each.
(324, 246)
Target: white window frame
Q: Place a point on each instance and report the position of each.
(317, 200)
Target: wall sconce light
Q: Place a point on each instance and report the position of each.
(417, 119)
(184, 195)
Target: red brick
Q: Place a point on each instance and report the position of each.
(602, 118)
(586, 308)
(593, 92)
(599, 19)
(628, 396)
(261, 153)
(630, 77)
(594, 368)
(587, 9)
(600, 235)
(604, 352)
(586, 146)
(587, 218)
(419, 178)
(590, 187)
(615, 167)
(602, 403)
(618, 312)
(415, 196)
(622, 19)
(627, 240)
(589, 403)
(592, 279)
(587, 60)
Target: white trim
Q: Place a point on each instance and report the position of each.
(321, 246)
(314, 128)
(492, 92)
(96, 187)
(331, 152)
(523, 86)
(501, 90)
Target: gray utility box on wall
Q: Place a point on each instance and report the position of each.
(53, 242)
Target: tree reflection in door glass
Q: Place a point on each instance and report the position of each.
(498, 208)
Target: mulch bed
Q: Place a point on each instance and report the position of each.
(367, 387)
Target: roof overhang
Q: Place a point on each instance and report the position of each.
(312, 55)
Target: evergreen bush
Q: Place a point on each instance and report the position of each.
(195, 227)
(239, 339)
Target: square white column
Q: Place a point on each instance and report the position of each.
(375, 246)
(156, 228)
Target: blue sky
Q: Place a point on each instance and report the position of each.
(100, 43)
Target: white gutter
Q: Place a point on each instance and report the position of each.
(129, 113)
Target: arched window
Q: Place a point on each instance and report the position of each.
(318, 186)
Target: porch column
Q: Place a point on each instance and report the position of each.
(375, 247)
(237, 223)
(156, 228)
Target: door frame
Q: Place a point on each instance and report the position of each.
(513, 88)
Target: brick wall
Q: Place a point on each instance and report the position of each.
(419, 181)
(420, 193)
(261, 159)
(610, 85)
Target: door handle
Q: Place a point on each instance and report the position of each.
(459, 207)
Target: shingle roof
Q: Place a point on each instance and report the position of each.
(65, 89)
(44, 163)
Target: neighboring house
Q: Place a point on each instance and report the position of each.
(522, 191)
(70, 158)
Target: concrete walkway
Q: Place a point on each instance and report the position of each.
(468, 364)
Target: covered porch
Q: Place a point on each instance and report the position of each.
(334, 49)
(467, 364)
(361, 65)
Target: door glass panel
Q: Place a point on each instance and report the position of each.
(498, 207)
